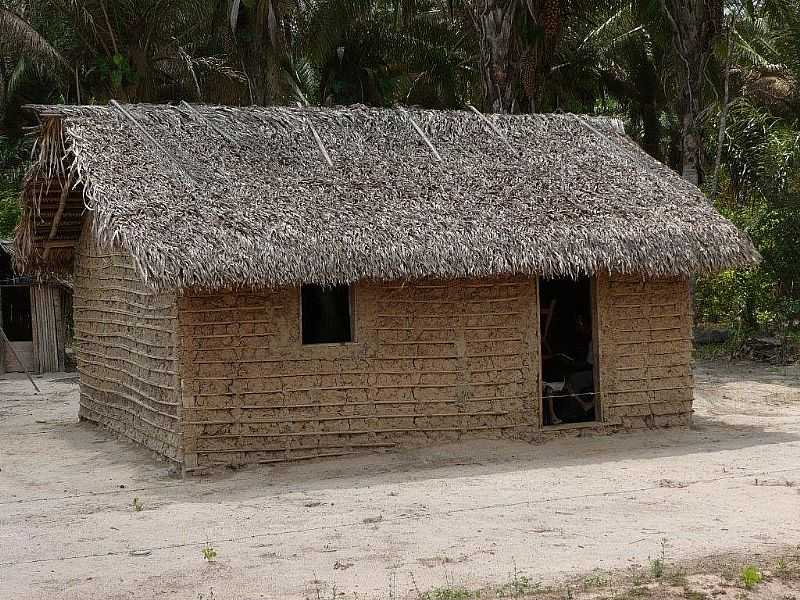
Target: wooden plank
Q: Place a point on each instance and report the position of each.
(48, 244)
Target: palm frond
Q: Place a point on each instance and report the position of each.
(18, 33)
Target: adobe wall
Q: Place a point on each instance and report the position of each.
(126, 348)
(645, 338)
(431, 362)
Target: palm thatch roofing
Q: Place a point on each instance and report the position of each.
(216, 196)
(7, 275)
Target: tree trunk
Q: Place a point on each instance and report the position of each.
(694, 25)
(691, 146)
(494, 21)
(263, 49)
(651, 124)
(723, 117)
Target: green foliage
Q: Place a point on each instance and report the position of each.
(209, 552)
(759, 183)
(9, 208)
(11, 172)
(375, 52)
(595, 580)
(117, 70)
(447, 593)
(750, 577)
(761, 194)
(518, 586)
(658, 565)
(781, 566)
(137, 505)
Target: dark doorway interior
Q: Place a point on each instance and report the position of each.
(16, 311)
(568, 374)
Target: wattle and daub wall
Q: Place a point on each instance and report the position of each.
(210, 378)
(430, 361)
(127, 350)
(645, 355)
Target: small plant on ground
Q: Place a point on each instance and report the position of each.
(658, 565)
(137, 505)
(447, 593)
(209, 553)
(782, 566)
(595, 580)
(519, 585)
(750, 577)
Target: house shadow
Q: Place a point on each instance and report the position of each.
(107, 453)
(481, 457)
(709, 434)
(708, 373)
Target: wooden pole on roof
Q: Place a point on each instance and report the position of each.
(318, 139)
(424, 137)
(618, 145)
(319, 143)
(493, 127)
(208, 122)
(149, 137)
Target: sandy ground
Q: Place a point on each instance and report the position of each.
(382, 525)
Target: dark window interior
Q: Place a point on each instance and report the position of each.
(16, 307)
(6, 270)
(567, 354)
(326, 314)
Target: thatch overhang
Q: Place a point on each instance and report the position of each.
(215, 196)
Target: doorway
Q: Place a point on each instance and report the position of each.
(15, 302)
(567, 346)
(16, 321)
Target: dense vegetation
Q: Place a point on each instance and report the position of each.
(707, 86)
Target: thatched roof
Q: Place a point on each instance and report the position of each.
(216, 196)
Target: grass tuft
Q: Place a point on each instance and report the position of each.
(447, 593)
(750, 577)
(209, 553)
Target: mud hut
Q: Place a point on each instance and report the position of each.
(265, 284)
(31, 318)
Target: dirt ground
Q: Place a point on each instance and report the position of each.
(389, 525)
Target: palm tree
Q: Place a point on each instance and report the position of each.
(695, 24)
(133, 50)
(30, 65)
(382, 52)
(261, 39)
